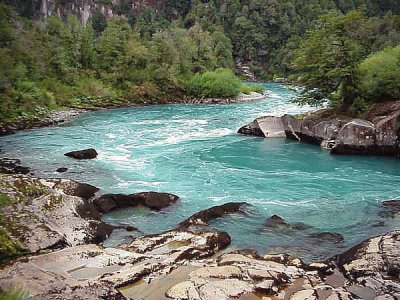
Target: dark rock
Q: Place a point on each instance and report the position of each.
(62, 170)
(82, 154)
(152, 200)
(12, 166)
(204, 216)
(319, 237)
(156, 200)
(74, 188)
(276, 221)
(389, 208)
(249, 130)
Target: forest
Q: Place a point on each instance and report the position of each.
(334, 49)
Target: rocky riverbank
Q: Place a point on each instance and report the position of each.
(62, 116)
(377, 134)
(56, 229)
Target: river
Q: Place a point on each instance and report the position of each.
(193, 151)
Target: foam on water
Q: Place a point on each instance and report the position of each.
(193, 151)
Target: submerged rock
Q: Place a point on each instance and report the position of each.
(278, 222)
(321, 237)
(62, 170)
(204, 216)
(389, 207)
(83, 154)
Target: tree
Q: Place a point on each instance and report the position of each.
(328, 57)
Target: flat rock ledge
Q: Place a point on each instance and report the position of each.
(379, 134)
(176, 265)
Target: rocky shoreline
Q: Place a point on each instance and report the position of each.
(63, 116)
(377, 134)
(57, 225)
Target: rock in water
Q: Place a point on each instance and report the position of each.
(202, 217)
(152, 200)
(83, 154)
(12, 166)
(158, 201)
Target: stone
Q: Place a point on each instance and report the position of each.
(83, 154)
(12, 166)
(204, 216)
(319, 237)
(217, 272)
(183, 290)
(224, 289)
(62, 170)
(389, 207)
(50, 215)
(362, 292)
(278, 222)
(152, 200)
(77, 189)
(156, 200)
(355, 137)
(266, 287)
(303, 295)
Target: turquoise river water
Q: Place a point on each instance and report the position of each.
(193, 151)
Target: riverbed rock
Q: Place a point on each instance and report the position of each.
(62, 170)
(12, 166)
(94, 272)
(389, 207)
(41, 214)
(83, 154)
(204, 216)
(277, 222)
(321, 237)
(268, 127)
(152, 200)
(373, 265)
(378, 134)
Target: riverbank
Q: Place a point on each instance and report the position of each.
(61, 116)
(57, 228)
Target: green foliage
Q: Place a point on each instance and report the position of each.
(15, 294)
(219, 83)
(379, 75)
(249, 88)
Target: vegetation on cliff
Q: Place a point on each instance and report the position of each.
(158, 51)
(53, 64)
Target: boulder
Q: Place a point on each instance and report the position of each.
(62, 170)
(156, 200)
(204, 216)
(152, 200)
(74, 188)
(51, 213)
(12, 166)
(83, 154)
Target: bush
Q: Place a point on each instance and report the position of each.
(249, 88)
(379, 75)
(221, 83)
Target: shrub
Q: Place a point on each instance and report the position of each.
(219, 83)
(249, 88)
(379, 75)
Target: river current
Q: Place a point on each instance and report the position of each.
(193, 151)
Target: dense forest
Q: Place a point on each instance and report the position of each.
(189, 49)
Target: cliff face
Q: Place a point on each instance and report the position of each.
(83, 9)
